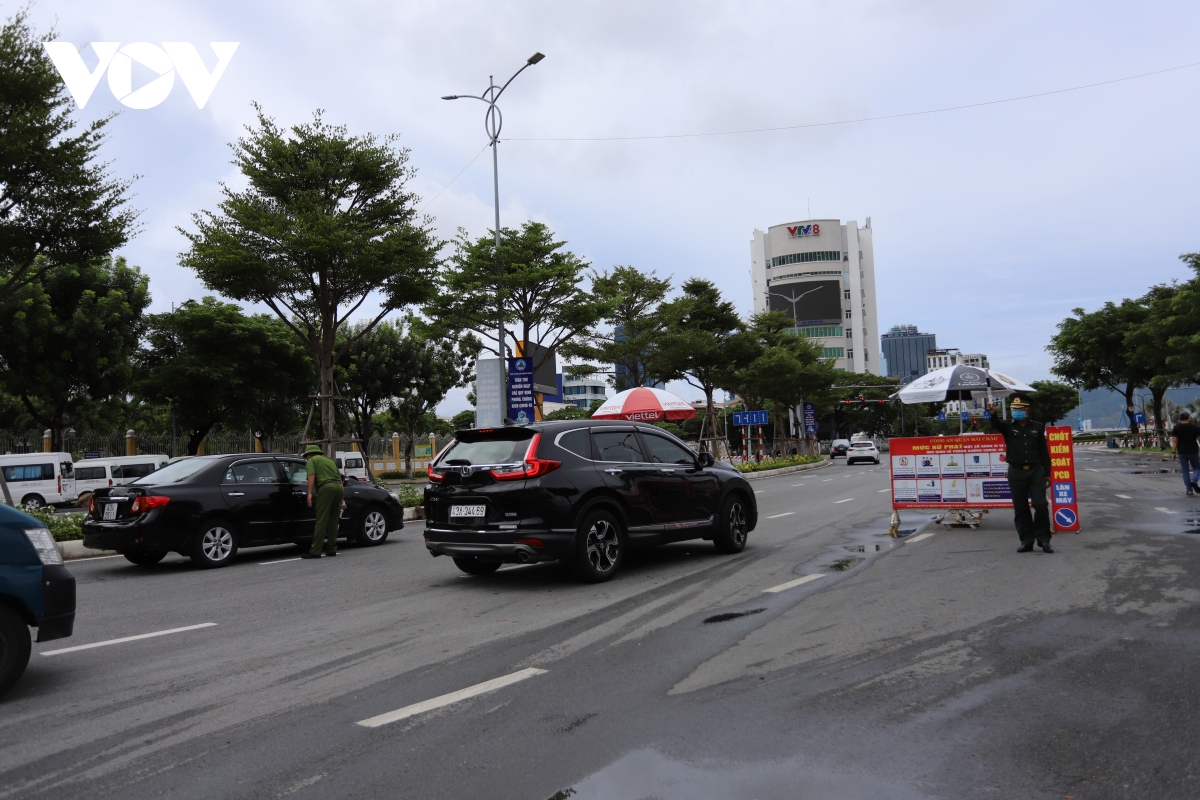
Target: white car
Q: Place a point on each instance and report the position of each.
(862, 451)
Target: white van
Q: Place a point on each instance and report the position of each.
(39, 479)
(351, 464)
(99, 473)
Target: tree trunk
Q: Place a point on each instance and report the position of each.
(1133, 428)
(196, 438)
(710, 415)
(1159, 432)
(328, 421)
(408, 454)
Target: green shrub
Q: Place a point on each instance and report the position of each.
(65, 528)
(779, 463)
(399, 474)
(410, 496)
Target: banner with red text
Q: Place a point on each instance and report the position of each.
(949, 472)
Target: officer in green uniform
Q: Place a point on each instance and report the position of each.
(1028, 473)
(325, 483)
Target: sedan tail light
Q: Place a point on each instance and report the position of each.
(532, 467)
(141, 505)
(92, 504)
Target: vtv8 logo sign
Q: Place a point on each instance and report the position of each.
(166, 61)
(804, 230)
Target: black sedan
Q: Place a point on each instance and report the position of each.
(583, 492)
(207, 507)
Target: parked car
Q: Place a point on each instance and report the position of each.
(36, 590)
(583, 492)
(862, 451)
(98, 473)
(40, 479)
(839, 447)
(208, 507)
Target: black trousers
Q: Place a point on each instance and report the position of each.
(1030, 485)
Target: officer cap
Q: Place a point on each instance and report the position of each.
(1018, 403)
(312, 450)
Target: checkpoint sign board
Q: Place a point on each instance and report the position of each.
(1064, 503)
(520, 390)
(949, 472)
(749, 418)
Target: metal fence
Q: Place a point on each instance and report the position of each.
(107, 444)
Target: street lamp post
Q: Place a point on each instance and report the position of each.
(493, 122)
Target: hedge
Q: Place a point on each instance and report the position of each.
(779, 463)
(64, 528)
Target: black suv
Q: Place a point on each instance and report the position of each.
(583, 492)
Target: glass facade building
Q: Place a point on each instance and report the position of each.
(904, 351)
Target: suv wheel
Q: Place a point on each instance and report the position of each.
(473, 566)
(14, 647)
(143, 559)
(732, 525)
(599, 547)
(372, 528)
(214, 544)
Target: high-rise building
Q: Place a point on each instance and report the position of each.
(904, 350)
(821, 273)
(952, 357)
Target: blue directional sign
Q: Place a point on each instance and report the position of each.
(1064, 518)
(750, 418)
(964, 416)
(987, 414)
(942, 416)
(1139, 418)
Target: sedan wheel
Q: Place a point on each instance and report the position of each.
(373, 528)
(599, 547)
(733, 526)
(214, 544)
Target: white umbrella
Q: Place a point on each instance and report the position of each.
(960, 382)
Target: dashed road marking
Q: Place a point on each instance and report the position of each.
(783, 587)
(797, 484)
(451, 698)
(784, 514)
(826, 480)
(280, 561)
(847, 500)
(919, 537)
(127, 639)
(1165, 510)
(1124, 497)
(883, 490)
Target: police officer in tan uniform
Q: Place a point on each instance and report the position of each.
(1028, 474)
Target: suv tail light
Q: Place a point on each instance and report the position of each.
(532, 467)
(141, 505)
(435, 476)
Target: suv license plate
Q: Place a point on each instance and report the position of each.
(468, 511)
(110, 511)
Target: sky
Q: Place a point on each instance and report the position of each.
(990, 224)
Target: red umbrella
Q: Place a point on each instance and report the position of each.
(644, 404)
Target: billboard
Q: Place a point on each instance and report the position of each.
(949, 472)
(815, 302)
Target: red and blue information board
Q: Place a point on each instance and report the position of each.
(1064, 502)
(949, 472)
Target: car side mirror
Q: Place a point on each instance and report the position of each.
(705, 460)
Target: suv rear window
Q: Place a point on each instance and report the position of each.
(500, 446)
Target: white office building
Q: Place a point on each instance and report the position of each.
(821, 273)
(582, 392)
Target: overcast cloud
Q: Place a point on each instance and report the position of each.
(990, 224)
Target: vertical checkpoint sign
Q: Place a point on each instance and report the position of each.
(1064, 504)
(520, 391)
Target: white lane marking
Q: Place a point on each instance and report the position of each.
(449, 699)
(797, 484)
(847, 500)
(127, 639)
(784, 514)
(758, 491)
(862, 473)
(919, 537)
(783, 587)
(883, 490)
(1089, 469)
(1124, 497)
(826, 480)
(280, 561)
(1165, 510)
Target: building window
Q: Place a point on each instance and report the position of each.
(849, 333)
(850, 354)
(804, 258)
(833, 352)
(849, 313)
(791, 275)
(819, 331)
(846, 294)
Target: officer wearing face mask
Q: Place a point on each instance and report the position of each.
(1028, 474)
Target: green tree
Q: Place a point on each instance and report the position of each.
(212, 363)
(463, 420)
(698, 327)
(373, 372)
(545, 299)
(325, 222)
(58, 204)
(1092, 351)
(67, 339)
(632, 299)
(432, 366)
(1052, 401)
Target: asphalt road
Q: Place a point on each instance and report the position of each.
(943, 665)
